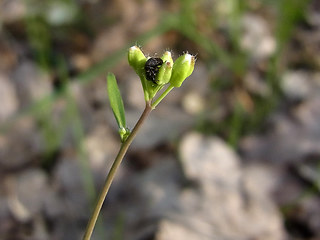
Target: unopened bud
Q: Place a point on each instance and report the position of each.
(136, 59)
(182, 68)
(164, 74)
(166, 57)
(124, 133)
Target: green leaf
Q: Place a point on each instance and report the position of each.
(116, 100)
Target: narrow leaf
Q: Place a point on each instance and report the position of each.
(116, 100)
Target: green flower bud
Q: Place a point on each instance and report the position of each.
(124, 133)
(164, 74)
(137, 59)
(166, 57)
(182, 68)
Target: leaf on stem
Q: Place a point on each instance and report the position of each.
(116, 100)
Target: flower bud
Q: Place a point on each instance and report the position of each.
(166, 57)
(124, 133)
(136, 59)
(182, 68)
(164, 74)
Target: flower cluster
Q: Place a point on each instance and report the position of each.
(155, 73)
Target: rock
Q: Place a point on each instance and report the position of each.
(297, 84)
(80, 62)
(53, 205)
(163, 124)
(159, 187)
(61, 13)
(133, 91)
(9, 56)
(91, 101)
(4, 208)
(197, 83)
(8, 99)
(40, 230)
(212, 198)
(310, 208)
(175, 230)
(27, 194)
(308, 115)
(256, 84)
(229, 202)
(256, 38)
(20, 145)
(70, 187)
(102, 148)
(279, 145)
(32, 83)
(309, 172)
(290, 138)
(11, 11)
(193, 103)
(208, 159)
(5, 214)
(313, 15)
(146, 197)
(115, 36)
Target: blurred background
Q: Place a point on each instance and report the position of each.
(231, 155)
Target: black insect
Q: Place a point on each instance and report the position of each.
(152, 67)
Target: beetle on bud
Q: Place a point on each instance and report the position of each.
(152, 67)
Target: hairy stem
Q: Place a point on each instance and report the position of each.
(113, 170)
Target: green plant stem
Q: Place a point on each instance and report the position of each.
(113, 170)
(165, 93)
